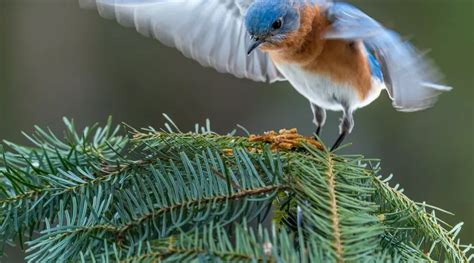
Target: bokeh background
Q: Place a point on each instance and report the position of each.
(58, 60)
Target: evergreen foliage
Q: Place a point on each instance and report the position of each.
(102, 195)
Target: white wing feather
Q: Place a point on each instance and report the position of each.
(211, 32)
(408, 75)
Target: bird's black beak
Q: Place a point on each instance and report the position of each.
(255, 43)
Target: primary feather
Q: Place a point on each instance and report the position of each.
(211, 32)
(409, 76)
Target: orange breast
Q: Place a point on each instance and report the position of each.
(342, 61)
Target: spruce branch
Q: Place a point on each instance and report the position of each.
(165, 195)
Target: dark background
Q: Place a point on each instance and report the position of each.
(58, 60)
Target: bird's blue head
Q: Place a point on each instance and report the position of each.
(270, 21)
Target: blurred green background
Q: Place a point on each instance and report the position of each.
(58, 60)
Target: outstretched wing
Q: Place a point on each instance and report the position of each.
(209, 31)
(410, 78)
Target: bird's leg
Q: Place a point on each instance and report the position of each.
(339, 140)
(347, 123)
(319, 117)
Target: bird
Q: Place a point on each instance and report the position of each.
(332, 53)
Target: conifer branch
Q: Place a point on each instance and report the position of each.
(426, 223)
(100, 195)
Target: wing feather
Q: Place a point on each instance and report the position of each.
(408, 75)
(211, 32)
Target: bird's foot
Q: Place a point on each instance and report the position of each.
(318, 132)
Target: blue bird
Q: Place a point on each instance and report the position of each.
(332, 53)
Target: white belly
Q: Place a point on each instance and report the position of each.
(320, 90)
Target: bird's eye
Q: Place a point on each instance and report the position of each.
(277, 24)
